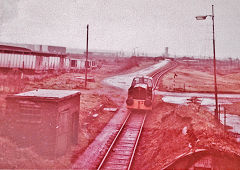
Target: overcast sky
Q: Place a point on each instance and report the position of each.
(148, 26)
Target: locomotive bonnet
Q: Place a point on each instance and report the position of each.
(140, 93)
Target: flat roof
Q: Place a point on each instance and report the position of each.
(46, 94)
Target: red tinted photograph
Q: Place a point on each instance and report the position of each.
(120, 84)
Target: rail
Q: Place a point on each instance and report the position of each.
(160, 73)
(135, 147)
(121, 152)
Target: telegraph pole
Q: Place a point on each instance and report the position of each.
(86, 62)
(214, 64)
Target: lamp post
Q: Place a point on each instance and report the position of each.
(86, 62)
(214, 58)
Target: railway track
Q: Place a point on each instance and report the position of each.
(156, 76)
(121, 152)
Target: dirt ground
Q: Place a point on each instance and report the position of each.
(195, 78)
(92, 117)
(162, 139)
(192, 79)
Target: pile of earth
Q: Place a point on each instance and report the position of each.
(163, 139)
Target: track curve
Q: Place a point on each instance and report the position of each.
(157, 75)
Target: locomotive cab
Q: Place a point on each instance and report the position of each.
(140, 93)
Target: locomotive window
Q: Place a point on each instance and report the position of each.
(142, 80)
(150, 83)
(133, 82)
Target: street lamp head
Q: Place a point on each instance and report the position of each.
(201, 17)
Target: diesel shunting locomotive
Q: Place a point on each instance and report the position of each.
(140, 94)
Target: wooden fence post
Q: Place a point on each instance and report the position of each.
(225, 119)
(219, 113)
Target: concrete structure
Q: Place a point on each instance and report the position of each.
(48, 120)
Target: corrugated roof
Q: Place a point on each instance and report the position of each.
(14, 48)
